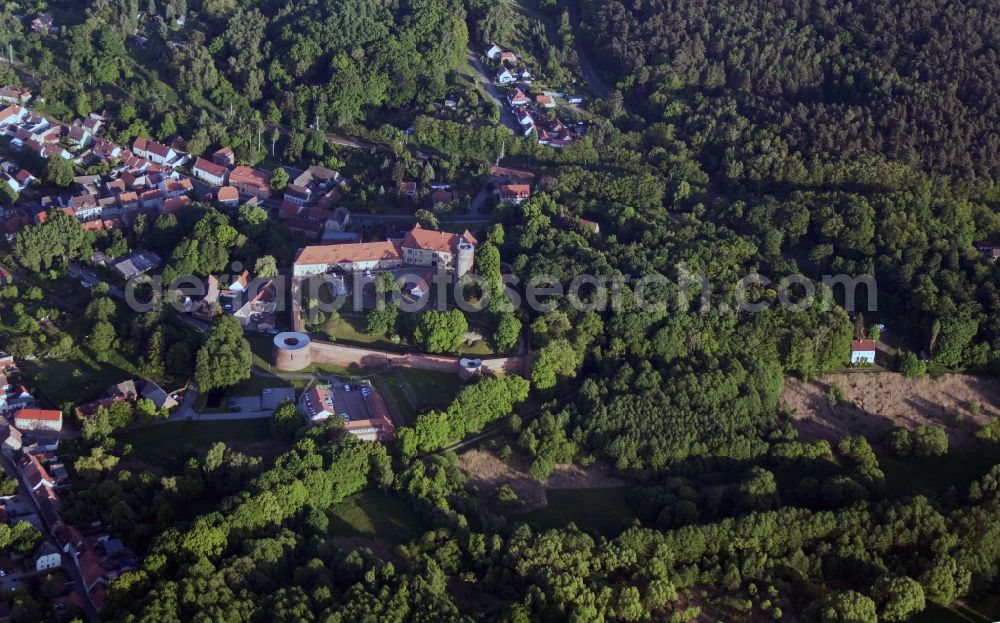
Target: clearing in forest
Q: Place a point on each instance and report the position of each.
(875, 402)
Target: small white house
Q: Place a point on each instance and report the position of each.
(862, 352)
(504, 76)
(493, 51)
(47, 557)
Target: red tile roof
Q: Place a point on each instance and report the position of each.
(342, 253)
(515, 191)
(173, 205)
(41, 415)
(209, 167)
(862, 345)
(228, 193)
(151, 146)
(250, 177)
(420, 238)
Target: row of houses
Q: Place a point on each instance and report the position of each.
(509, 68)
(532, 118)
(98, 558)
(233, 181)
(254, 302)
(143, 177)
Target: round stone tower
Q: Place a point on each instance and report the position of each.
(292, 351)
(466, 258)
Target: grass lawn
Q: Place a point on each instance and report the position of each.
(932, 476)
(256, 384)
(404, 413)
(433, 389)
(350, 329)
(76, 377)
(375, 514)
(603, 511)
(163, 443)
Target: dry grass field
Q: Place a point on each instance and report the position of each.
(875, 402)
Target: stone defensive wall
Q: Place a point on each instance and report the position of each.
(296, 351)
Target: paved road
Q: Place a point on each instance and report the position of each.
(486, 81)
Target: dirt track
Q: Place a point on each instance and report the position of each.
(878, 401)
(488, 472)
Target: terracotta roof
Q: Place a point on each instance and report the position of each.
(209, 167)
(342, 253)
(89, 410)
(40, 415)
(515, 191)
(862, 345)
(304, 224)
(442, 196)
(228, 193)
(33, 471)
(420, 238)
(182, 185)
(173, 205)
(151, 146)
(10, 110)
(250, 177)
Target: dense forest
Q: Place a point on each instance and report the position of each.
(218, 71)
(784, 83)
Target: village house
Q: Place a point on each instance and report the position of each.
(14, 398)
(14, 95)
(504, 75)
(224, 157)
(47, 557)
(493, 51)
(862, 352)
(990, 251)
(42, 23)
(154, 151)
(12, 114)
(406, 189)
(517, 97)
(513, 193)
(38, 419)
(545, 100)
(210, 172)
(259, 312)
(11, 440)
(173, 205)
(228, 197)
(175, 187)
(440, 197)
(34, 473)
(251, 182)
(79, 137)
